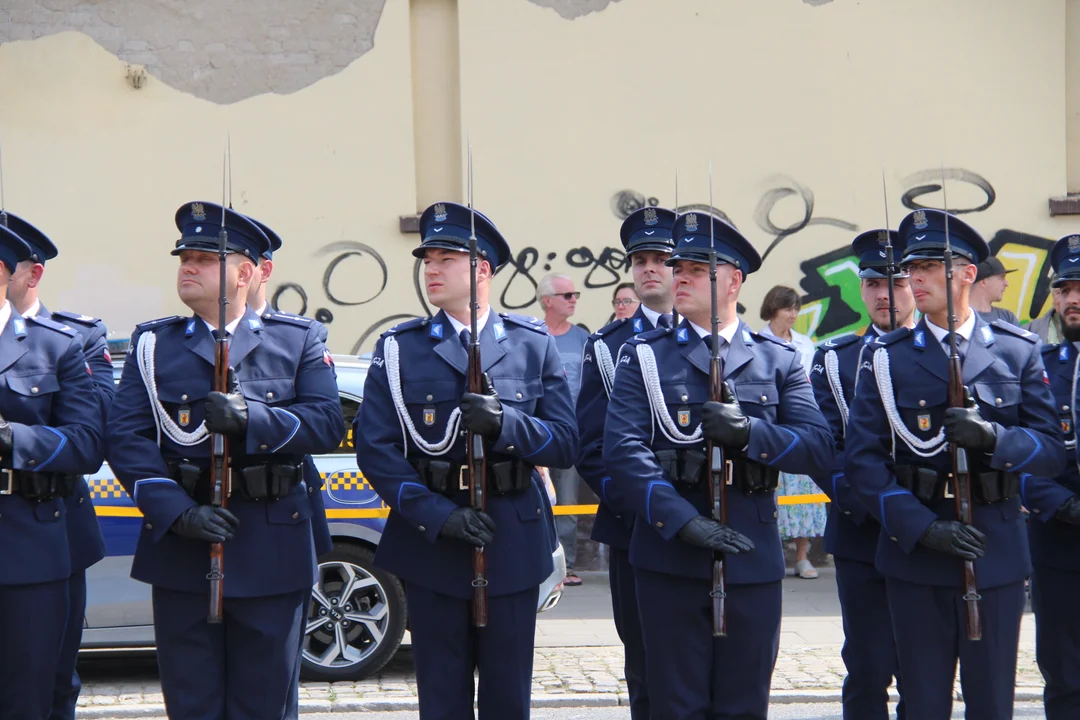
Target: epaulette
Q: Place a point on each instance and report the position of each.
(160, 322)
(406, 326)
(647, 337)
(534, 324)
(298, 320)
(896, 335)
(66, 316)
(610, 327)
(839, 342)
(53, 325)
(1015, 330)
(775, 340)
(1051, 348)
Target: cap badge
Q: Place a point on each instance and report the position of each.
(691, 222)
(440, 212)
(883, 237)
(198, 212)
(650, 216)
(1074, 243)
(920, 220)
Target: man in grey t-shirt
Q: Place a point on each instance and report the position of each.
(558, 298)
(989, 288)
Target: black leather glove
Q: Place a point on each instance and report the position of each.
(1070, 511)
(471, 526)
(724, 422)
(707, 533)
(482, 413)
(967, 428)
(206, 523)
(227, 413)
(954, 538)
(7, 437)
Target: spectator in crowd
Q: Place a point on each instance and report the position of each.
(1048, 327)
(799, 522)
(989, 288)
(625, 300)
(558, 298)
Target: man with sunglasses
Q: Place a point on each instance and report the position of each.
(646, 235)
(900, 466)
(557, 297)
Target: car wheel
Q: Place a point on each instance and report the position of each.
(356, 618)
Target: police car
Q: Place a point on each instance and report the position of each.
(119, 615)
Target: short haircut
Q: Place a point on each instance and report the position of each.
(546, 286)
(779, 298)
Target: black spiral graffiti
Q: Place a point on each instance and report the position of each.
(925, 182)
(352, 249)
(275, 299)
(763, 212)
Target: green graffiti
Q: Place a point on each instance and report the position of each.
(843, 274)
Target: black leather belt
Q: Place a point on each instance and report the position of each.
(687, 469)
(267, 481)
(35, 486)
(504, 476)
(931, 486)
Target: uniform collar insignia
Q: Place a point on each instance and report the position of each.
(637, 325)
(436, 330)
(20, 327)
(869, 339)
(988, 334)
(254, 323)
(683, 335)
(920, 338)
(746, 336)
(499, 330)
(1063, 353)
(190, 329)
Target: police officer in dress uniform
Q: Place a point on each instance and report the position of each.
(659, 417)
(283, 405)
(1055, 509)
(84, 534)
(851, 534)
(320, 529)
(898, 463)
(646, 235)
(50, 435)
(417, 465)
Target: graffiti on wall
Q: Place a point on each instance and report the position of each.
(832, 303)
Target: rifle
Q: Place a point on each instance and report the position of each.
(960, 474)
(675, 209)
(889, 267)
(219, 468)
(719, 470)
(474, 443)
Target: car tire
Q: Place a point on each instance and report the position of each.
(361, 607)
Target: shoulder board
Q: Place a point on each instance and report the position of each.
(648, 337)
(160, 322)
(1051, 348)
(1011, 329)
(64, 316)
(298, 320)
(774, 340)
(53, 325)
(406, 326)
(839, 342)
(535, 324)
(610, 327)
(895, 336)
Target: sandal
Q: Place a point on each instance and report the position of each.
(571, 580)
(805, 570)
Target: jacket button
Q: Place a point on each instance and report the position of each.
(421, 528)
(56, 514)
(269, 395)
(764, 398)
(684, 398)
(1008, 465)
(659, 524)
(997, 401)
(764, 456)
(81, 500)
(295, 515)
(537, 511)
(1035, 510)
(33, 390)
(517, 396)
(847, 512)
(922, 403)
(775, 513)
(184, 397)
(510, 448)
(894, 539)
(1065, 407)
(32, 462)
(149, 526)
(262, 447)
(430, 398)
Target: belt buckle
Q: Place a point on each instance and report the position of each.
(7, 482)
(463, 478)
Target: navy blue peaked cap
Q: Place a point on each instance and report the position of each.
(692, 242)
(273, 237)
(446, 225)
(1065, 259)
(923, 234)
(200, 222)
(648, 228)
(873, 260)
(41, 247)
(13, 249)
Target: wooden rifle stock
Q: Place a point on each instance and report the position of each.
(719, 476)
(477, 490)
(962, 496)
(219, 466)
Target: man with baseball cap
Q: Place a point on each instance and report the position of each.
(989, 288)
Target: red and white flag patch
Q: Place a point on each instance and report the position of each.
(108, 357)
(327, 358)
